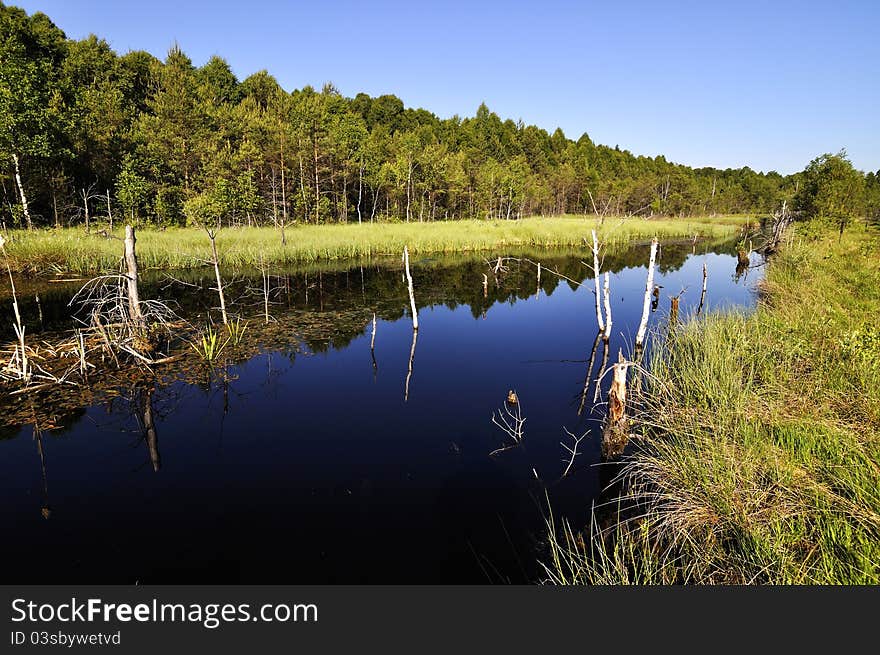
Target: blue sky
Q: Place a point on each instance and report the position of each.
(766, 84)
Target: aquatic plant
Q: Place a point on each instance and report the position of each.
(210, 344)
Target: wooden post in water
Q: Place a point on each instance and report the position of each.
(538, 289)
(485, 286)
(134, 302)
(649, 286)
(599, 319)
(216, 261)
(412, 297)
(607, 292)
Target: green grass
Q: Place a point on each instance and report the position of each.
(71, 250)
(760, 461)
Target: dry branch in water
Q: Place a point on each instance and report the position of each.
(510, 421)
(573, 449)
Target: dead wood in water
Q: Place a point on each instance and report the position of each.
(703, 292)
(673, 310)
(18, 365)
(607, 295)
(599, 319)
(649, 285)
(131, 263)
(616, 432)
(212, 236)
(412, 297)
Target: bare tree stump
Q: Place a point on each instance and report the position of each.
(616, 433)
(134, 302)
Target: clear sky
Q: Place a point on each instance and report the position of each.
(767, 84)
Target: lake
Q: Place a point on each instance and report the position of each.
(305, 458)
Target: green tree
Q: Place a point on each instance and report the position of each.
(831, 190)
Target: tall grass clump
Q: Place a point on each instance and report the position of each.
(71, 250)
(759, 457)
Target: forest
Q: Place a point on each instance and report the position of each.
(86, 133)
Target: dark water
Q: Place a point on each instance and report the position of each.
(302, 462)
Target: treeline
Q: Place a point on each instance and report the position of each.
(85, 132)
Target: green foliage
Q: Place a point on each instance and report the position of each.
(131, 189)
(832, 190)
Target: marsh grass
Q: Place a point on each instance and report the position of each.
(70, 250)
(759, 460)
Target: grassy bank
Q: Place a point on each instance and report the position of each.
(71, 250)
(761, 462)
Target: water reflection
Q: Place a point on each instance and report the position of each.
(296, 445)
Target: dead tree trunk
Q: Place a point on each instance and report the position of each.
(607, 294)
(24, 202)
(703, 292)
(599, 319)
(616, 431)
(134, 302)
(409, 282)
(18, 327)
(212, 235)
(109, 211)
(264, 272)
(649, 285)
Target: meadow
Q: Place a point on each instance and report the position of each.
(72, 250)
